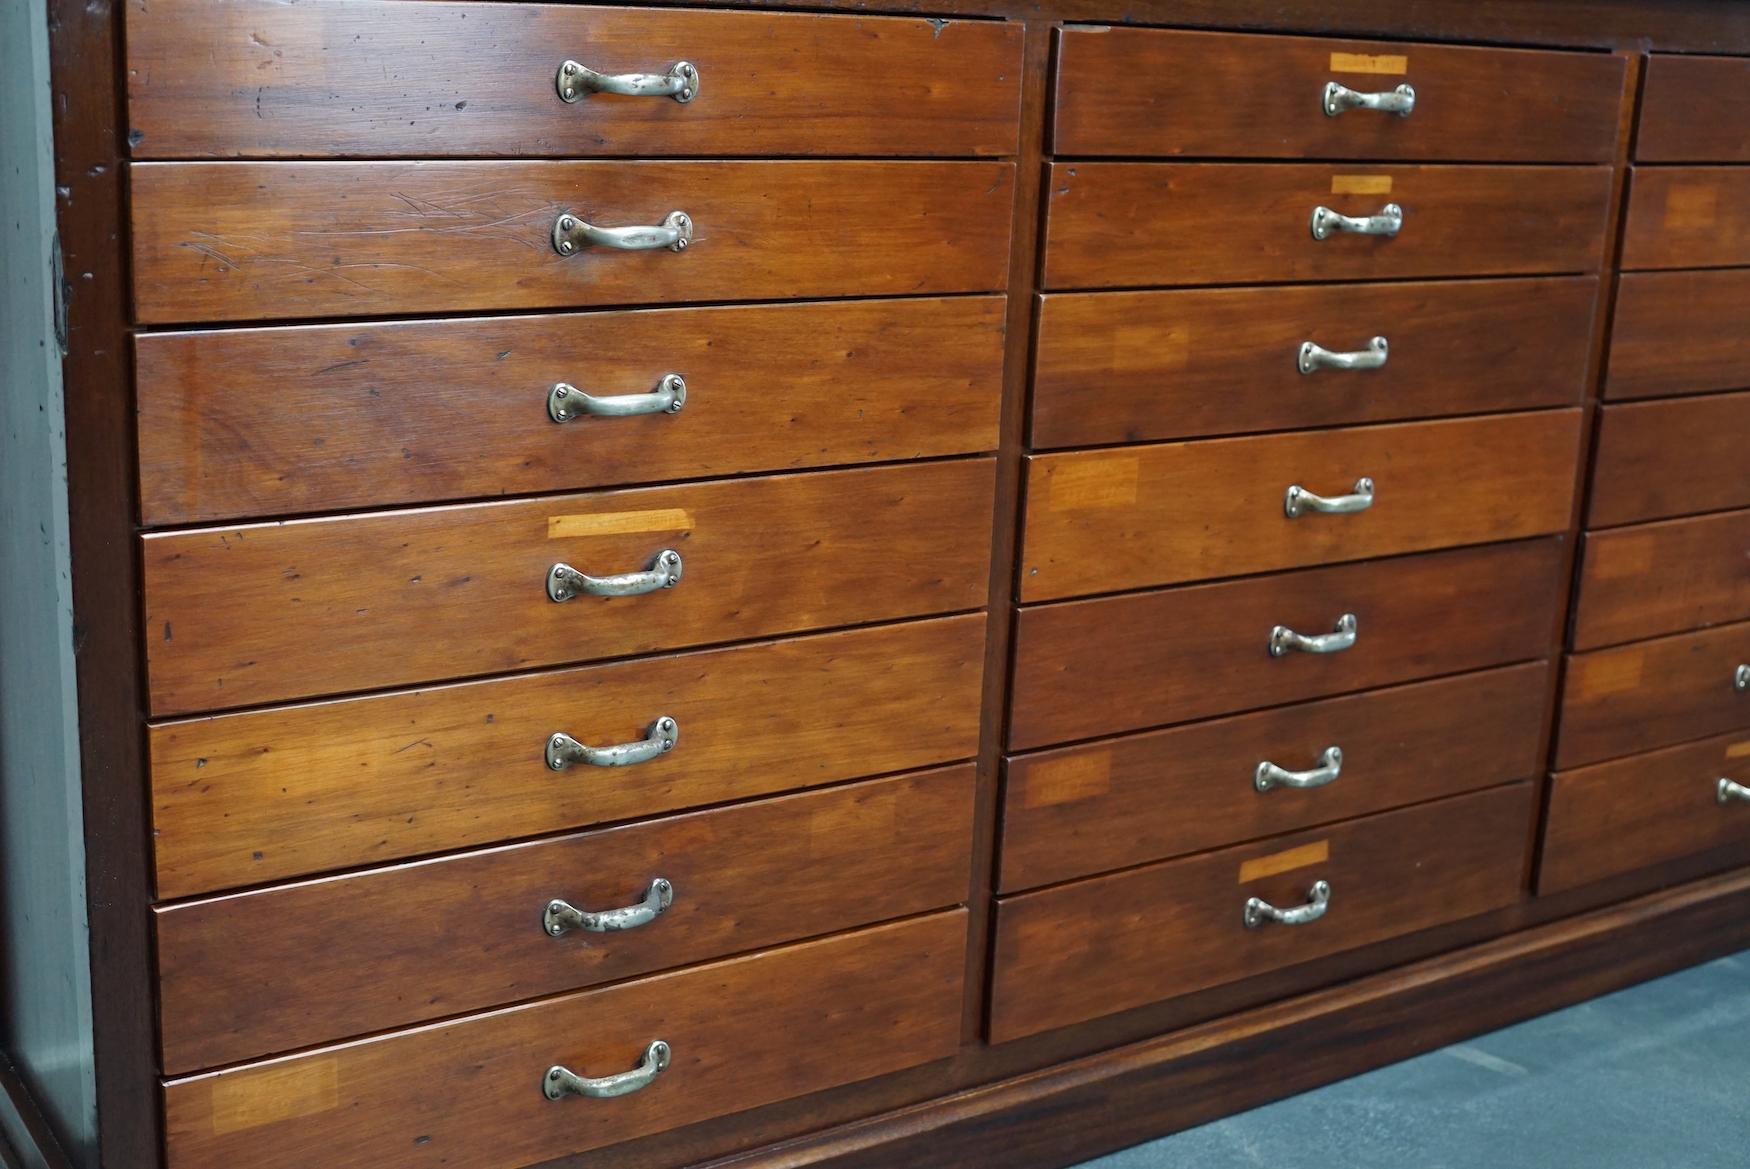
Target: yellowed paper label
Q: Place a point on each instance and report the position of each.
(1091, 481)
(1390, 64)
(1360, 184)
(1285, 862)
(302, 1087)
(1689, 208)
(1063, 781)
(562, 527)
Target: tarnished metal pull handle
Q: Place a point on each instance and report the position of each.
(570, 233)
(681, 82)
(1316, 357)
(1326, 222)
(561, 916)
(1339, 98)
(1318, 899)
(1284, 640)
(1297, 500)
(563, 750)
(1741, 679)
(1268, 775)
(565, 582)
(1729, 791)
(561, 1082)
(566, 401)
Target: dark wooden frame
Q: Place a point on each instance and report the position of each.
(1161, 1067)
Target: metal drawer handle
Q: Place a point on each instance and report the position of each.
(1318, 899)
(1316, 357)
(1326, 222)
(1268, 775)
(563, 750)
(561, 916)
(570, 232)
(1729, 791)
(1338, 98)
(681, 82)
(1297, 500)
(1741, 679)
(565, 582)
(1283, 639)
(566, 401)
(561, 1082)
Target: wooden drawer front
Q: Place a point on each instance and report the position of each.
(1175, 928)
(1663, 578)
(1085, 668)
(742, 1033)
(1133, 366)
(1694, 109)
(1097, 521)
(1670, 458)
(1132, 91)
(742, 877)
(1634, 813)
(1687, 217)
(226, 241)
(1112, 224)
(255, 78)
(275, 611)
(1679, 333)
(242, 799)
(1651, 693)
(429, 410)
(1106, 805)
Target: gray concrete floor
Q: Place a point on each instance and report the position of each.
(1653, 1077)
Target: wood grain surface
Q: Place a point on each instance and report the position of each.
(1126, 517)
(1098, 667)
(1653, 460)
(1135, 91)
(1117, 802)
(1687, 217)
(411, 412)
(469, 1091)
(1679, 333)
(1133, 366)
(267, 612)
(1117, 224)
(231, 241)
(1667, 577)
(1174, 928)
(1695, 109)
(252, 78)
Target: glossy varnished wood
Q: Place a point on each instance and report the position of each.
(1113, 224)
(1085, 668)
(1679, 333)
(1134, 366)
(469, 1092)
(257, 79)
(744, 877)
(1175, 928)
(1670, 458)
(1650, 693)
(1688, 217)
(1632, 813)
(228, 241)
(1134, 91)
(1098, 521)
(245, 798)
(428, 410)
(1113, 803)
(268, 612)
(1667, 577)
(1695, 109)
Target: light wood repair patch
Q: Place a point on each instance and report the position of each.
(250, 1099)
(1066, 780)
(1386, 63)
(1360, 184)
(1092, 481)
(1287, 861)
(618, 523)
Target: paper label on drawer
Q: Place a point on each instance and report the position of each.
(251, 1099)
(1385, 63)
(1687, 208)
(1084, 481)
(1360, 184)
(1287, 861)
(1066, 780)
(1738, 750)
(617, 523)
(1615, 673)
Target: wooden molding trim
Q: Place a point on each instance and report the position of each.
(1088, 1107)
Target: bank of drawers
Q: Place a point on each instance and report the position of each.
(1289, 542)
(568, 779)
(1653, 744)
